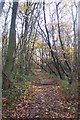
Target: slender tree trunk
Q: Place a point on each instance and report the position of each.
(49, 44)
(1, 6)
(74, 20)
(79, 41)
(79, 57)
(59, 34)
(75, 55)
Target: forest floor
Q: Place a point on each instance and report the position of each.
(41, 99)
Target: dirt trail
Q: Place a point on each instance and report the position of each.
(44, 101)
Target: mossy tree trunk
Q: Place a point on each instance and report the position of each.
(7, 68)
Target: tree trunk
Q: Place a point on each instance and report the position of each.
(7, 69)
(1, 6)
(79, 57)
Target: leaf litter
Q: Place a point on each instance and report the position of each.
(41, 101)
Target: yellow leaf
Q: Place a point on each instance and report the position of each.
(22, 7)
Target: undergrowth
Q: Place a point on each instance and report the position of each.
(68, 89)
(21, 83)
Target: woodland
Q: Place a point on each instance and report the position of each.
(40, 59)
